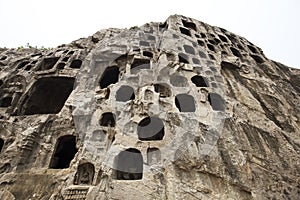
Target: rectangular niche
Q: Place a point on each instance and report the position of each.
(47, 96)
(48, 63)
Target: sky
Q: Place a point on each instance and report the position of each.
(273, 25)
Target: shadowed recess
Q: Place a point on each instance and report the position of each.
(128, 165)
(108, 119)
(151, 128)
(109, 76)
(199, 81)
(125, 93)
(5, 102)
(185, 103)
(65, 150)
(1, 144)
(47, 63)
(216, 101)
(47, 95)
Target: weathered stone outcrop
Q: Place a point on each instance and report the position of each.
(173, 110)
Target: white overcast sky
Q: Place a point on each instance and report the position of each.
(273, 25)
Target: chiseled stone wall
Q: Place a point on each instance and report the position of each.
(173, 110)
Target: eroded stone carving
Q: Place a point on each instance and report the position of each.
(173, 110)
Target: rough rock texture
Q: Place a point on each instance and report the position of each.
(174, 110)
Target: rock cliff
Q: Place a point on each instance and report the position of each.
(173, 110)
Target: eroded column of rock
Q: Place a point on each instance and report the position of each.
(173, 110)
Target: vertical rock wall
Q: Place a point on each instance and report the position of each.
(173, 110)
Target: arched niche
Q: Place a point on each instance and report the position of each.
(199, 81)
(151, 128)
(163, 90)
(128, 165)
(85, 174)
(139, 64)
(109, 76)
(108, 119)
(64, 152)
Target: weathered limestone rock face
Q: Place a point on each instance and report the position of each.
(174, 110)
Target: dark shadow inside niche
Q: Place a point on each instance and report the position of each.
(60, 65)
(228, 65)
(28, 67)
(151, 128)
(223, 38)
(224, 52)
(85, 174)
(47, 63)
(47, 95)
(148, 54)
(22, 64)
(257, 59)
(203, 35)
(3, 57)
(5, 102)
(163, 90)
(76, 64)
(189, 49)
(65, 150)
(128, 165)
(236, 52)
(190, 25)
(1, 144)
(211, 57)
(1, 82)
(153, 156)
(185, 103)
(109, 76)
(178, 81)
(125, 93)
(216, 101)
(65, 59)
(164, 25)
(241, 47)
(252, 49)
(185, 31)
(108, 119)
(183, 58)
(215, 41)
(211, 47)
(139, 64)
(70, 52)
(199, 81)
(201, 43)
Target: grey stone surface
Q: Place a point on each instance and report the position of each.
(173, 110)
